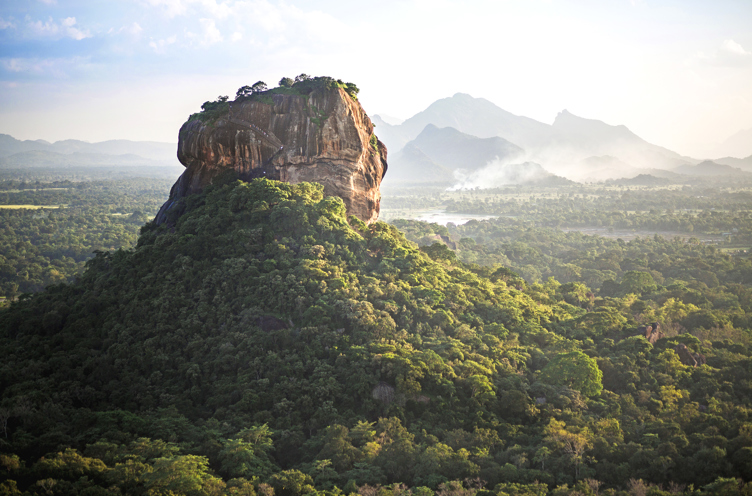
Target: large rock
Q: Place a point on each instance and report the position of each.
(688, 358)
(324, 136)
(651, 332)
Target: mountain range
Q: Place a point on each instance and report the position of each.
(21, 153)
(574, 147)
(738, 145)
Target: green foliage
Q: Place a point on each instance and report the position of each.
(212, 110)
(263, 342)
(575, 370)
(374, 142)
(39, 248)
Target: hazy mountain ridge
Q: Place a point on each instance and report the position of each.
(742, 163)
(148, 150)
(46, 158)
(709, 168)
(738, 145)
(560, 147)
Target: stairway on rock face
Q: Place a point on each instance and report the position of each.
(273, 140)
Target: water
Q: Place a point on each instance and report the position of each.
(440, 216)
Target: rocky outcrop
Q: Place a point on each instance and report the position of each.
(651, 332)
(324, 136)
(688, 358)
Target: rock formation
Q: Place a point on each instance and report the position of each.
(688, 358)
(321, 135)
(651, 332)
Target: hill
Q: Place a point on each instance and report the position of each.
(741, 163)
(643, 180)
(257, 342)
(709, 168)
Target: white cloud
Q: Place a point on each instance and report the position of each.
(50, 29)
(172, 8)
(160, 45)
(57, 67)
(7, 24)
(49, 2)
(258, 22)
(730, 54)
(733, 47)
(134, 30)
(211, 33)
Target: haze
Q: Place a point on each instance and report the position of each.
(677, 73)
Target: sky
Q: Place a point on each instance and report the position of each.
(676, 72)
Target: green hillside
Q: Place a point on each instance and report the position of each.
(258, 343)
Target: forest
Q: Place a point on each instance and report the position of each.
(262, 343)
(50, 228)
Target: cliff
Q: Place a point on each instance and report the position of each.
(317, 133)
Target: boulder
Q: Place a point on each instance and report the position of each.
(651, 332)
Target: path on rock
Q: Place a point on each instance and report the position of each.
(268, 136)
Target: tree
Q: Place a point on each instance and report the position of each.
(573, 444)
(244, 91)
(258, 87)
(338, 448)
(575, 370)
(302, 77)
(286, 82)
(291, 483)
(637, 282)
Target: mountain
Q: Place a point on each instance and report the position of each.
(739, 145)
(387, 119)
(411, 166)
(313, 130)
(643, 180)
(741, 163)
(149, 150)
(10, 145)
(46, 158)
(474, 116)
(436, 155)
(709, 168)
(559, 148)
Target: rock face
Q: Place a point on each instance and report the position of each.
(324, 136)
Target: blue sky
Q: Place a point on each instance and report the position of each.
(678, 73)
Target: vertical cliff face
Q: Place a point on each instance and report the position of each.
(324, 136)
